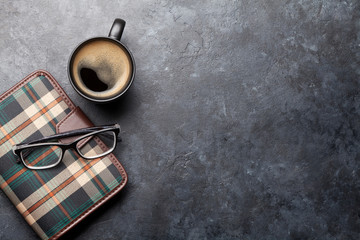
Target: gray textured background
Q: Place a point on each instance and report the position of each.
(243, 120)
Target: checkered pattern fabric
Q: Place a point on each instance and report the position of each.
(50, 200)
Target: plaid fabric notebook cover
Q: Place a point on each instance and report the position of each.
(52, 201)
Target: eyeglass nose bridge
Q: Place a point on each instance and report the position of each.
(75, 145)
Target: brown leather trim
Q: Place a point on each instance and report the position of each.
(72, 106)
(76, 119)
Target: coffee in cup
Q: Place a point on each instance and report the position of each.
(102, 69)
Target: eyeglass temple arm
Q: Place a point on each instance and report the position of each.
(71, 133)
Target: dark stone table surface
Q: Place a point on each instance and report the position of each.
(242, 123)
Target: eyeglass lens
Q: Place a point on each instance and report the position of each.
(41, 156)
(92, 148)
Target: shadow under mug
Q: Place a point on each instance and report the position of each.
(101, 69)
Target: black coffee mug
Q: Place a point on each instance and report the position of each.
(102, 69)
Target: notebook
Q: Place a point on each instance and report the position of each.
(52, 201)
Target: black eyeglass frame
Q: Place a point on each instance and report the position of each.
(85, 132)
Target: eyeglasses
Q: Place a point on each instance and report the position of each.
(44, 153)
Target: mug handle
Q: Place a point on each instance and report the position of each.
(117, 29)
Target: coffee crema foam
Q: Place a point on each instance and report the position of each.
(110, 62)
